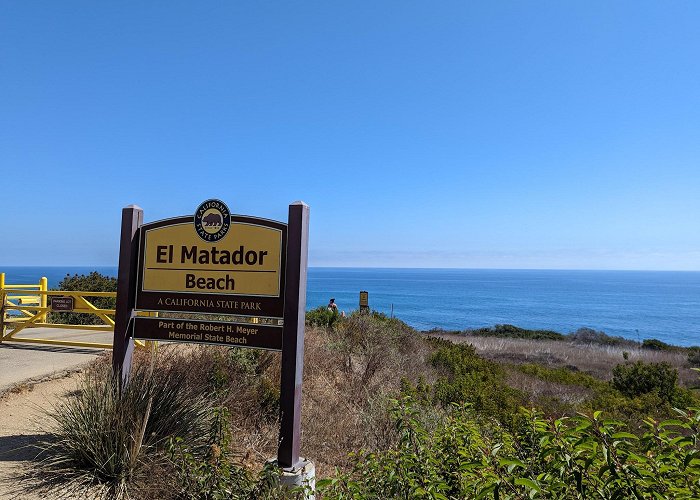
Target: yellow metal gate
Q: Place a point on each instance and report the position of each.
(28, 306)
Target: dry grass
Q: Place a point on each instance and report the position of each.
(349, 376)
(538, 391)
(240, 384)
(596, 360)
(102, 436)
(351, 373)
(20, 388)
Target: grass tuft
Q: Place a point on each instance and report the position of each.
(103, 440)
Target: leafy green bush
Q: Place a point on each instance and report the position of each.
(590, 336)
(656, 345)
(441, 331)
(563, 376)
(631, 408)
(468, 378)
(213, 474)
(322, 316)
(93, 282)
(694, 356)
(208, 473)
(636, 379)
(515, 332)
(460, 359)
(578, 458)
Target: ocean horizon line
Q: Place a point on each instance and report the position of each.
(661, 304)
(399, 268)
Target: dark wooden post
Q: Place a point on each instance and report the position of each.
(123, 344)
(293, 335)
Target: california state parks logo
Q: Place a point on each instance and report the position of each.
(212, 220)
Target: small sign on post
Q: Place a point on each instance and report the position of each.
(62, 304)
(249, 270)
(364, 301)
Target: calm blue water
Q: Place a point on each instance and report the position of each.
(633, 304)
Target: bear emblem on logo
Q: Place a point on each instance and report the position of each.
(212, 220)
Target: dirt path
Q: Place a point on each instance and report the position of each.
(22, 423)
(21, 362)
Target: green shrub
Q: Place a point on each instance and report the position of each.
(216, 476)
(441, 331)
(322, 316)
(93, 282)
(578, 458)
(563, 376)
(656, 345)
(636, 379)
(460, 359)
(694, 356)
(515, 332)
(204, 473)
(590, 336)
(468, 378)
(213, 474)
(632, 408)
(633, 411)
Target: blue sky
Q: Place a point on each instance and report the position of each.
(422, 134)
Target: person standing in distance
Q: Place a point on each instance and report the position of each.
(332, 306)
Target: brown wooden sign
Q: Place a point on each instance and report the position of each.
(62, 304)
(258, 336)
(223, 264)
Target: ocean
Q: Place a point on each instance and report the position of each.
(636, 305)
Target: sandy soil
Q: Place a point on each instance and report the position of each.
(22, 362)
(23, 423)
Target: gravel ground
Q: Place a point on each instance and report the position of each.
(22, 424)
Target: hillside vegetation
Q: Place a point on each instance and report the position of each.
(388, 412)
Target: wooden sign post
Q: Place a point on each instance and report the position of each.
(123, 344)
(293, 344)
(250, 269)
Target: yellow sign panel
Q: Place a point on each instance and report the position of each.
(246, 261)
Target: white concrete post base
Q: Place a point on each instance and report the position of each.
(304, 474)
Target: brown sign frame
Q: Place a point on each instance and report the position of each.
(147, 300)
(291, 306)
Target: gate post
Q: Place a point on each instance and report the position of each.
(2, 306)
(44, 298)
